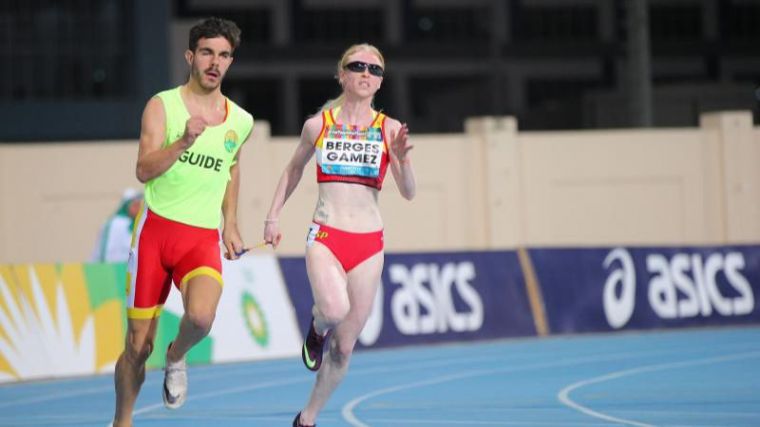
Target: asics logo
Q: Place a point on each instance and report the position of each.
(424, 302)
(681, 285)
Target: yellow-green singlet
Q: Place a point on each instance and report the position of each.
(192, 190)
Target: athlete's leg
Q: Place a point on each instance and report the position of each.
(130, 368)
(328, 286)
(361, 288)
(148, 285)
(200, 296)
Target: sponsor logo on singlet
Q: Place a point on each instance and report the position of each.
(230, 140)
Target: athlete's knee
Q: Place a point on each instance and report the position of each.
(334, 311)
(341, 349)
(137, 351)
(201, 319)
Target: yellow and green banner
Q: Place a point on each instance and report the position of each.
(60, 320)
(69, 319)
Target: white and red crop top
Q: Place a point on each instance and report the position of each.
(351, 153)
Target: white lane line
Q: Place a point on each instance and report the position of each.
(69, 393)
(564, 394)
(220, 374)
(231, 390)
(66, 394)
(440, 422)
(348, 408)
(294, 380)
(210, 372)
(671, 413)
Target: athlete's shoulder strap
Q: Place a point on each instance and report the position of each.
(379, 120)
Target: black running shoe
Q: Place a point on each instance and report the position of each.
(311, 353)
(297, 422)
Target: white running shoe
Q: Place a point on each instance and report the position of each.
(175, 383)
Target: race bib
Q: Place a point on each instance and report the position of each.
(312, 235)
(352, 151)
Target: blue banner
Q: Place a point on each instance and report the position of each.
(435, 297)
(608, 289)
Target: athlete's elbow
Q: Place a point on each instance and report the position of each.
(142, 175)
(409, 194)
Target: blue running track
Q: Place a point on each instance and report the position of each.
(694, 378)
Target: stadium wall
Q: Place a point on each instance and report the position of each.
(513, 234)
(491, 187)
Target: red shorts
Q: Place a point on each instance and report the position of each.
(165, 251)
(351, 249)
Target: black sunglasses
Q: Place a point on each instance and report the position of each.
(359, 67)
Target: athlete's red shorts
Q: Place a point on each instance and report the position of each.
(351, 249)
(165, 251)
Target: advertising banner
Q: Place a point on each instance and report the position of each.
(607, 289)
(255, 319)
(60, 319)
(69, 319)
(435, 297)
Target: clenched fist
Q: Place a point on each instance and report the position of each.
(193, 128)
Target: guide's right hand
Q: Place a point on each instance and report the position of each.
(193, 128)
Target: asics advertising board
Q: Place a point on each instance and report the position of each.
(607, 289)
(435, 297)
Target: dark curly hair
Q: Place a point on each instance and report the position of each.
(214, 27)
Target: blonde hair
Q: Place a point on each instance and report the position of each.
(361, 47)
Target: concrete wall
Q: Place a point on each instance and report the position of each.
(491, 187)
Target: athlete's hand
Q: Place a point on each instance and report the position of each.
(193, 128)
(272, 235)
(400, 145)
(233, 244)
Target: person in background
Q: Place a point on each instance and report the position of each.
(190, 143)
(354, 146)
(115, 236)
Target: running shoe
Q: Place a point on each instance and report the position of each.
(312, 349)
(175, 382)
(297, 422)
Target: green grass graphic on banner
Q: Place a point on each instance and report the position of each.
(105, 282)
